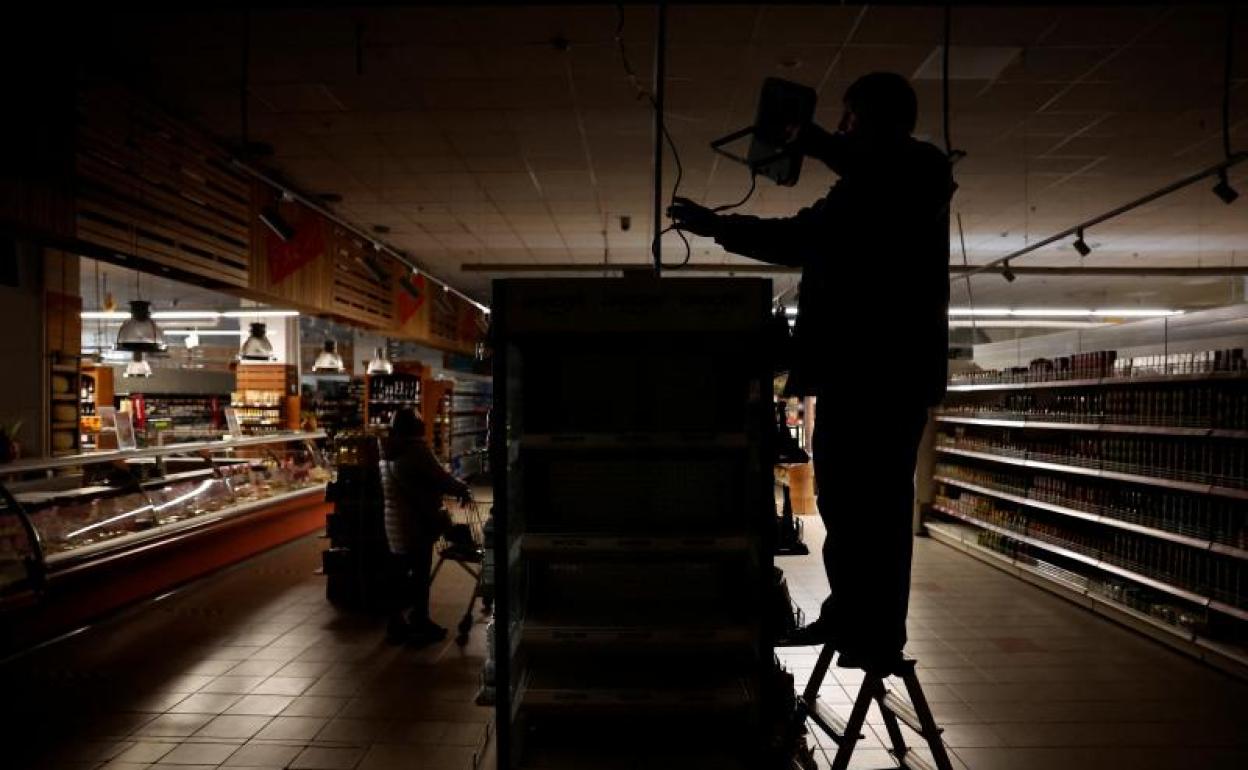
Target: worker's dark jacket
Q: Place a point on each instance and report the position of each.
(874, 254)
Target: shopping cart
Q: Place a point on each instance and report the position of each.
(464, 544)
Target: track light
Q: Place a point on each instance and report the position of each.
(1224, 190)
(1006, 272)
(279, 226)
(1081, 245)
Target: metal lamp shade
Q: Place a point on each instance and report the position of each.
(328, 360)
(380, 364)
(140, 333)
(256, 347)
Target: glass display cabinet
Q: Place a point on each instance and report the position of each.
(62, 513)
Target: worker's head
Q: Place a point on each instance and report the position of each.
(880, 105)
(406, 425)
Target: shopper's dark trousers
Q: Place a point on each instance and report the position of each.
(864, 472)
(411, 575)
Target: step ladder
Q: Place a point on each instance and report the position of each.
(897, 710)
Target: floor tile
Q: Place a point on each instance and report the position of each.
(174, 725)
(270, 705)
(205, 703)
(263, 755)
(292, 728)
(199, 754)
(233, 726)
(314, 706)
(323, 758)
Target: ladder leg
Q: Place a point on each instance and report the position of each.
(895, 736)
(871, 685)
(816, 677)
(931, 732)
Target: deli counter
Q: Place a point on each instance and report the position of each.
(86, 534)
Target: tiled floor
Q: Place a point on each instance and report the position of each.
(253, 669)
(1023, 680)
(249, 669)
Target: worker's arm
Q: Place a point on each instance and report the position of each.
(421, 470)
(791, 241)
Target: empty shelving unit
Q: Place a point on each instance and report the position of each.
(631, 448)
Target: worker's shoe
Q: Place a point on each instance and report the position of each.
(817, 633)
(874, 661)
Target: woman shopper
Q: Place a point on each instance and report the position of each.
(414, 483)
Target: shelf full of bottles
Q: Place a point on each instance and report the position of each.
(387, 393)
(468, 418)
(1130, 488)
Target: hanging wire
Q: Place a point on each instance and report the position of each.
(944, 76)
(1229, 58)
(970, 295)
(742, 202)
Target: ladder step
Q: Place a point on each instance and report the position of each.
(906, 713)
(913, 760)
(828, 721)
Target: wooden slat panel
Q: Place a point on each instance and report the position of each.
(295, 273)
(356, 293)
(160, 190)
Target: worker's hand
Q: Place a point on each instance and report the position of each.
(693, 218)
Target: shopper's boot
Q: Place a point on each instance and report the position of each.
(397, 629)
(820, 632)
(425, 633)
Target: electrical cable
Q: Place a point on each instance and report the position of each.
(944, 76)
(970, 295)
(643, 93)
(1229, 58)
(742, 202)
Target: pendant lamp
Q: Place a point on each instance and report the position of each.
(380, 364)
(138, 366)
(140, 333)
(256, 347)
(328, 360)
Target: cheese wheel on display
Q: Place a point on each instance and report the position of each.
(60, 383)
(64, 413)
(62, 440)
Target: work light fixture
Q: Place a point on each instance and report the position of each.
(1224, 190)
(1081, 245)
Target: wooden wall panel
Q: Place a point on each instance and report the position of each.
(150, 186)
(293, 271)
(360, 286)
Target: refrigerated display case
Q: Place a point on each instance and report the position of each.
(83, 534)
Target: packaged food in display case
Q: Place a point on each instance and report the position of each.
(65, 510)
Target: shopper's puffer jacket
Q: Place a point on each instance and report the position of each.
(414, 484)
(874, 254)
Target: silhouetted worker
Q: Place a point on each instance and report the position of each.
(871, 337)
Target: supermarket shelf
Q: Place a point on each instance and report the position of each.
(375, 402)
(1092, 561)
(1098, 381)
(468, 412)
(1225, 657)
(64, 369)
(1155, 481)
(67, 397)
(66, 425)
(256, 406)
(630, 440)
(578, 694)
(576, 544)
(1094, 427)
(1174, 537)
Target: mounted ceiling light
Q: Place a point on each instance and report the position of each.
(192, 340)
(138, 366)
(1059, 312)
(1081, 245)
(257, 346)
(1224, 190)
(280, 227)
(380, 364)
(1007, 273)
(185, 315)
(260, 313)
(1027, 324)
(140, 332)
(328, 360)
(104, 315)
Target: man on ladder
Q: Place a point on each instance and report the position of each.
(875, 248)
